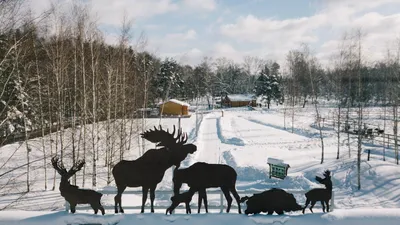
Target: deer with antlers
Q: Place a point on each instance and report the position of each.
(320, 194)
(73, 194)
(148, 170)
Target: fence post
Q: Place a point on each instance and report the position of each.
(66, 204)
(221, 203)
(179, 121)
(197, 122)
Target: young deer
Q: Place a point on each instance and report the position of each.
(320, 194)
(185, 197)
(71, 193)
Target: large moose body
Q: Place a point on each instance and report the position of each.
(148, 170)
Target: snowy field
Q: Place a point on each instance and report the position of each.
(243, 139)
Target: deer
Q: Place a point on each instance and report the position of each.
(320, 194)
(185, 197)
(72, 193)
(149, 169)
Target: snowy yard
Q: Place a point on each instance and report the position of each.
(244, 140)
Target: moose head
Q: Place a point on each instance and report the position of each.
(176, 145)
(65, 175)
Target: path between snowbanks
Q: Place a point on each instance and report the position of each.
(338, 217)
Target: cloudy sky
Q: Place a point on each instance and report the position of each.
(191, 29)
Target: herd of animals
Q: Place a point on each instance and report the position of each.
(148, 170)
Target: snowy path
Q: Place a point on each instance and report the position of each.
(209, 144)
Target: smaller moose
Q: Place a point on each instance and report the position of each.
(201, 176)
(185, 197)
(71, 193)
(320, 194)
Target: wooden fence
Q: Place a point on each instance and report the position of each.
(212, 191)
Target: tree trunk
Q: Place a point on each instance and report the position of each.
(338, 131)
(42, 123)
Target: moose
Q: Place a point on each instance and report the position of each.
(73, 194)
(149, 169)
(201, 175)
(269, 201)
(320, 194)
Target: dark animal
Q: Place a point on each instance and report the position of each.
(379, 131)
(320, 194)
(185, 197)
(369, 133)
(200, 176)
(72, 194)
(269, 201)
(148, 170)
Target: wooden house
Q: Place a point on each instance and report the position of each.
(174, 107)
(239, 100)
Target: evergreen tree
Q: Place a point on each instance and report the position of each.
(269, 86)
(168, 82)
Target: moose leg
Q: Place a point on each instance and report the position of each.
(152, 197)
(187, 207)
(237, 197)
(312, 205)
(72, 205)
(228, 197)
(204, 194)
(307, 202)
(117, 199)
(323, 206)
(145, 190)
(200, 200)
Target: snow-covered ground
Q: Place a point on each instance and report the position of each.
(243, 139)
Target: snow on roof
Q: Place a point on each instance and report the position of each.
(241, 97)
(176, 101)
(276, 162)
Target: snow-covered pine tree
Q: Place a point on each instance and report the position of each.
(269, 87)
(168, 76)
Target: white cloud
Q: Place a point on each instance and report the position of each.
(193, 56)
(277, 37)
(172, 41)
(222, 49)
(111, 12)
(208, 5)
(188, 35)
(251, 28)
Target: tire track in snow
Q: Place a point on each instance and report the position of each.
(300, 132)
(229, 140)
(250, 141)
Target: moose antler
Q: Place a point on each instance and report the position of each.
(76, 167)
(164, 138)
(58, 166)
